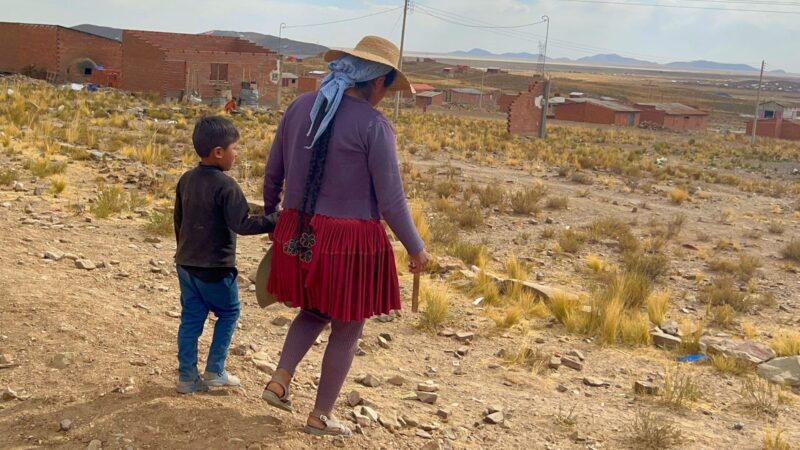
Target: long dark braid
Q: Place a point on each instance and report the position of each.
(316, 171)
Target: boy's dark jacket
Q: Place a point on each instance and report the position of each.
(210, 210)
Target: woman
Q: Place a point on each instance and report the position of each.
(336, 154)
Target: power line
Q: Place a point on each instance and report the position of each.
(345, 20)
(661, 5)
(747, 2)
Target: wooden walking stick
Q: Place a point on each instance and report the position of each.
(415, 294)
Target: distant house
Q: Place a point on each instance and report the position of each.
(778, 110)
(776, 128)
(289, 80)
(417, 88)
(429, 98)
(58, 54)
(576, 94)
(674, 116)
(492, 70)
(592, 110)
(471, 96)
(174, 65)
(308, 84)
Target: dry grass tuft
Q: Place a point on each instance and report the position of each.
(724, 291)
(561, 202)
(773, 440)
(745, 268)
(492, 195)
(527, 200)
(484, 286)
(571, 241)
(42, 167)
(511, 316)
(436, 306)
(57, 184)
(657, 306)
(8, 177)
(653, 432)
(722, 315)
(792, 250)
(515, 269)
(535, 360)
(567, 310)
(734, 366)
(161, 223)
(680, 388)
(469, 253)
(678, 195)
(418, 216)
(635, 329)
(786, 343)
(109, 200)
(760, 396)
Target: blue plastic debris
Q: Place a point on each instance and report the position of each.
(693, 358)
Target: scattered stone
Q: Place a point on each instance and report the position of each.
(173, 314)
(443, 414)
(354, 399)
(54, 255)
(555, 362)
(433, 445)
(561, 388)
(579, 436)
(5, 359)
(152, 240)
(85, 264)
(386, 336)
(7, 394)
(465, 336)
(410, 421)
(645, 388)
(368, 412)
(369, 381)
(738, 426)
(138, 362)
(389, 423)
(462, 351)
(427, 397)
(383, 343)
(96, 444)
(428, 386)
(665, 340)
(784, 370)
(239, 350)
(65, 425)
(447, 332)
(495, 418)
(572, 363)
(753, 352)
(281, 321)
(577, 354)
(670, 327)
(396, 380)
(61, 360)
(424, 434)
(594, 382)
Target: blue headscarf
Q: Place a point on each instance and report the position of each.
(345, 73)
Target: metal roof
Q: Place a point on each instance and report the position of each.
(429, 94)
(472, 91)
(676, 109)
(614, 106)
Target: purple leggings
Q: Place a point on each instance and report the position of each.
(339, 353)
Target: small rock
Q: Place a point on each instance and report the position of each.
(280, 321)
(785, 370)
(152, 240)
(462, 351)
(594, 382)
(5, 359)
(383, 343)
(389, 423)
(571, 363)
(428, 386)
(339, 442)
(95, 444)
(7, 394)
(555, 362)
(369, 381)
(465, 336)
(670, 327)
(61, 360)
(427, 397)
(577, 354)
(65, 425)
(386, 336)
(85, 264)
(665, 340)
(495, 418)
(173, 314)
(369, 413)
(561, 388)
(738, 426)
(645, 388)
(354, 398)
(54, 255)
(396, 380)
(443, 414)
(433, 445)
(447, 332)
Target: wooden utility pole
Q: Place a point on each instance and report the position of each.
(758, 100)
(400, 63)
(280, 66)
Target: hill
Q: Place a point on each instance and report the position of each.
(106, 32)
(290, 47)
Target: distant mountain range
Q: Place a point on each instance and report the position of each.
(290, 47)
(617, 60)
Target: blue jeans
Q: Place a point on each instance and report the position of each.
(197, 299)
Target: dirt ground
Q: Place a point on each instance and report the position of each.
(116, 325)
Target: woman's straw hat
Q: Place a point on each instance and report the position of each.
(379, 50)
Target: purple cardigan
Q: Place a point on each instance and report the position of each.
(362, 176)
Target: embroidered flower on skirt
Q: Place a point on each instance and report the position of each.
(301, 247)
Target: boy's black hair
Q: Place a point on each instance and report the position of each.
(211, 132)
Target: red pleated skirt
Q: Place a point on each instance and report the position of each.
(351, 275)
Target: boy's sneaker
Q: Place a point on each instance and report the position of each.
(188, 387)
(221, 379)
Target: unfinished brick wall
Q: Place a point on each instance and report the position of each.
(74, 45)
(790, 130)
(22, 45)
(505, 101)
(525, 112)
(307, 84)
(143, 65)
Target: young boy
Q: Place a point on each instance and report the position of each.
(210, 209)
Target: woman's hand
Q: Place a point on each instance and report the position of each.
(418, 263)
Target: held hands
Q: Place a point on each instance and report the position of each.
(418, 263)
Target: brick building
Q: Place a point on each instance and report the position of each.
(778, 110)
(429, 98)
(56, 53)
(505, 100)
(525, 111)
(175, 65)
(591, 110)
(776, 128)
(471, 96)
(674, 116)
(308, 84)
(418, 88)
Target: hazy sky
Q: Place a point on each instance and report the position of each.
(577, 28)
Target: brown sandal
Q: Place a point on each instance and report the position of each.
(283, 402)
(332, 428)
